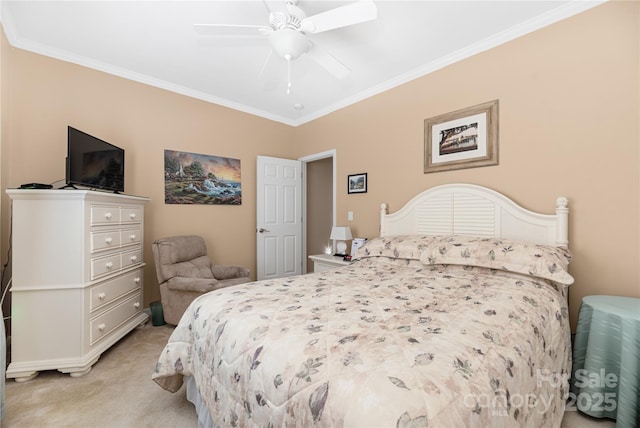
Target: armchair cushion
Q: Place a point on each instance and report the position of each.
(184, 256)
(199, 267)
(229, 271)
(198, 285)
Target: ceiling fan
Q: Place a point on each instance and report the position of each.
(289, 29)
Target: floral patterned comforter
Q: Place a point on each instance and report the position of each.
(386, 341)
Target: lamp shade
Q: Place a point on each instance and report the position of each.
(341, 233)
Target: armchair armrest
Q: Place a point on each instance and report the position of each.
(229, 271)
(200, 285)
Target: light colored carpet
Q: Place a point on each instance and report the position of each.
(119, 392)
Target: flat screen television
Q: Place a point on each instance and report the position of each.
(93, 163)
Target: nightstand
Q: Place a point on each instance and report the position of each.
(322, 262)
(606, 352)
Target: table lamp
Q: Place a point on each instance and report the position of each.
(341, 234)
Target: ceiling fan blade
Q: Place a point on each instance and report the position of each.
(230, 30)
(270, 75)
(265, 65)
(354, 13)
(226, 41)
(276, 6)
(329, 62)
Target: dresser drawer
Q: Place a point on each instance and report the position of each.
(105, 240)
(104, 324)
(131, 258)
(105, 265)
(105, 214)
(130, 236)
(108, 291)
(130, 214)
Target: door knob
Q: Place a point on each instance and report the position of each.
(262, 230)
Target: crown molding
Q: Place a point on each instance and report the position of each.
(562, 12)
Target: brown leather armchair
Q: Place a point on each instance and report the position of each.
(185, 272)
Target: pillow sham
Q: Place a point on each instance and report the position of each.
(542, 261)
(397, 247)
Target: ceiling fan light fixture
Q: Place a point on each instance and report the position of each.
(287, 42)
(289, 27)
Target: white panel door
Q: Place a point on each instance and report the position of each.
(279, 217)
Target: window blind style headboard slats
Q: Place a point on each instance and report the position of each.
(467, 209)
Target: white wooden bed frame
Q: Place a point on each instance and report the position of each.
(468, 209)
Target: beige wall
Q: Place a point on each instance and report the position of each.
(46, 95)
(4, 209)
(569, 125)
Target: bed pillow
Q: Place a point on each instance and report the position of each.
(397, 247)
(542, 261)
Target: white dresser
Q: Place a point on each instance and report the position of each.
(77, 277)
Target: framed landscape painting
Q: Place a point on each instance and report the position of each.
(357, 183)
(464, 138)
(193, 178)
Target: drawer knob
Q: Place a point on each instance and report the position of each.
(101, 327)
(132, 216)
(107, 216)
(109, 240)
(136, 305)
(132, 237)
(109, 265)
(101, 296)
(137, 280)
(134, 258)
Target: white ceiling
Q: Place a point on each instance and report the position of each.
(154, 42)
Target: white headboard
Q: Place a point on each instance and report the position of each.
(467, 209)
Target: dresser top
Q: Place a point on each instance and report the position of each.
(74, 194)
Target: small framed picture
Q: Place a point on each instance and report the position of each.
(357, 183)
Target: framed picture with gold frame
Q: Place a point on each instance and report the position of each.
(466, 138)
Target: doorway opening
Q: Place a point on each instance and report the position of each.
(319, 204)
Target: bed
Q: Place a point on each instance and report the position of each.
(456, 315)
